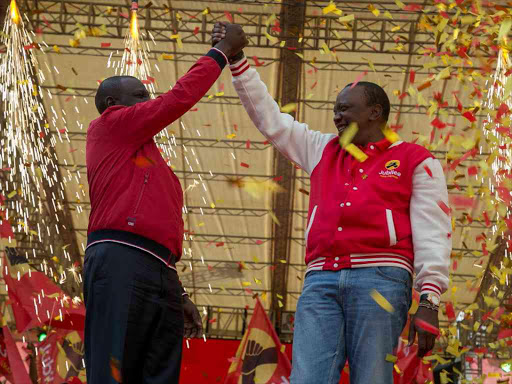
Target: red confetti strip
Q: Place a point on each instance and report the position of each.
(450, 312)
(438, 123)
(278, 178)
(358, 79)
(257, 63)
(229, 16)
(106, 45)
(444, 207)
(461, 201)
(468, 115)
(465, 156)
(194, 109)
(428, 170)
(473, 170)
(259, 242)
(244, 165)
(248, 144)
(219, 244)
(413, 7)
(196, 30)
(486, 218)
(426, 326)
(266, 142)
(412, 77)
(62, 130)
(123, 14)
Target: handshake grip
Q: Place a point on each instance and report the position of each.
(230, 39)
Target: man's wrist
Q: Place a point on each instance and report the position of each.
(236, 58)
(224, 47)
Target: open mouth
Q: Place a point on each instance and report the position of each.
(341, 127)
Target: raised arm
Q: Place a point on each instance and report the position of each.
(139, 123)
(431, 229)
(293, 139)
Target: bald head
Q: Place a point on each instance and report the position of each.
(120, 90)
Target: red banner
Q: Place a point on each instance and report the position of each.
(36, 300)
(60, 358)
(260, 357)
(16, 366)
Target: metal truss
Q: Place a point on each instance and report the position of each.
(322, 65)
(366, 34)
(234, 100)
(304, 181)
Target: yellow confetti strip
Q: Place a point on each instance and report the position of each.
(271, 39)
(391, 358)
(291, 107)
(348, 135)
(391, 135)
(381, 300)
(346, 19)
(356, 153)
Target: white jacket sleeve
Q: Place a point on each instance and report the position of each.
(293, 139)
(431, 229)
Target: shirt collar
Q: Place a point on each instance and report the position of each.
(382, 145)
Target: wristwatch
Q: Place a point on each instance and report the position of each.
(431, 298)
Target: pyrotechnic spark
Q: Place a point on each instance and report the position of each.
(135, 62)
(26, 160)
(498, 145)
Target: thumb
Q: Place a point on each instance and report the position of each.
(412, 333)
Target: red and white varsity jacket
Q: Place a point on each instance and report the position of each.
(382, 212)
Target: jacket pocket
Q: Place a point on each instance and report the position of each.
(310, 224)
(132, 219)
(391, 227)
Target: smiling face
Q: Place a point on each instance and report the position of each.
(352, 106)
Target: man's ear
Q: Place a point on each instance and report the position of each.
(110, 101)
(376, 113)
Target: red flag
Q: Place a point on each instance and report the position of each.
(60, 358)
(19, 372)
(36, 300)
(260, 357)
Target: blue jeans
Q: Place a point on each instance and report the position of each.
(337, 319)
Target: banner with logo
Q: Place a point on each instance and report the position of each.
(60, 359)
(260, 357)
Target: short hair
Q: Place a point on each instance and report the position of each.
(375, 95)
(108, 87)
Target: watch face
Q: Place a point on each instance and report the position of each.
(434, 299)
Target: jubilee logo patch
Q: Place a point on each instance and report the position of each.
(391, 171)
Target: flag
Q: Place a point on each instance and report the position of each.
(60, 358)
(260, 357)
(36, 300)
(5, 367)
(17, 367)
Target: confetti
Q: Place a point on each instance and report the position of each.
(426, 326)
(381, 300)
(288, 108)
(444, 207)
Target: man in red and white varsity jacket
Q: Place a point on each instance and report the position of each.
(371, 226)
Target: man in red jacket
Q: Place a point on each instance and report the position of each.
(137, 311)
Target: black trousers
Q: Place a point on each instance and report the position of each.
(134, 317)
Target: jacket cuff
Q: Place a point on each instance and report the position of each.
(239, 67)
(218, 56)
(431, 288)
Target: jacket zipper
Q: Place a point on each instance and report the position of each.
(146, 177)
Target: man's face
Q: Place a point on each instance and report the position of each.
(351, 106)
(132, 92)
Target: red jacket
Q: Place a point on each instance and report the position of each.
(381, 212)
(136, 199)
